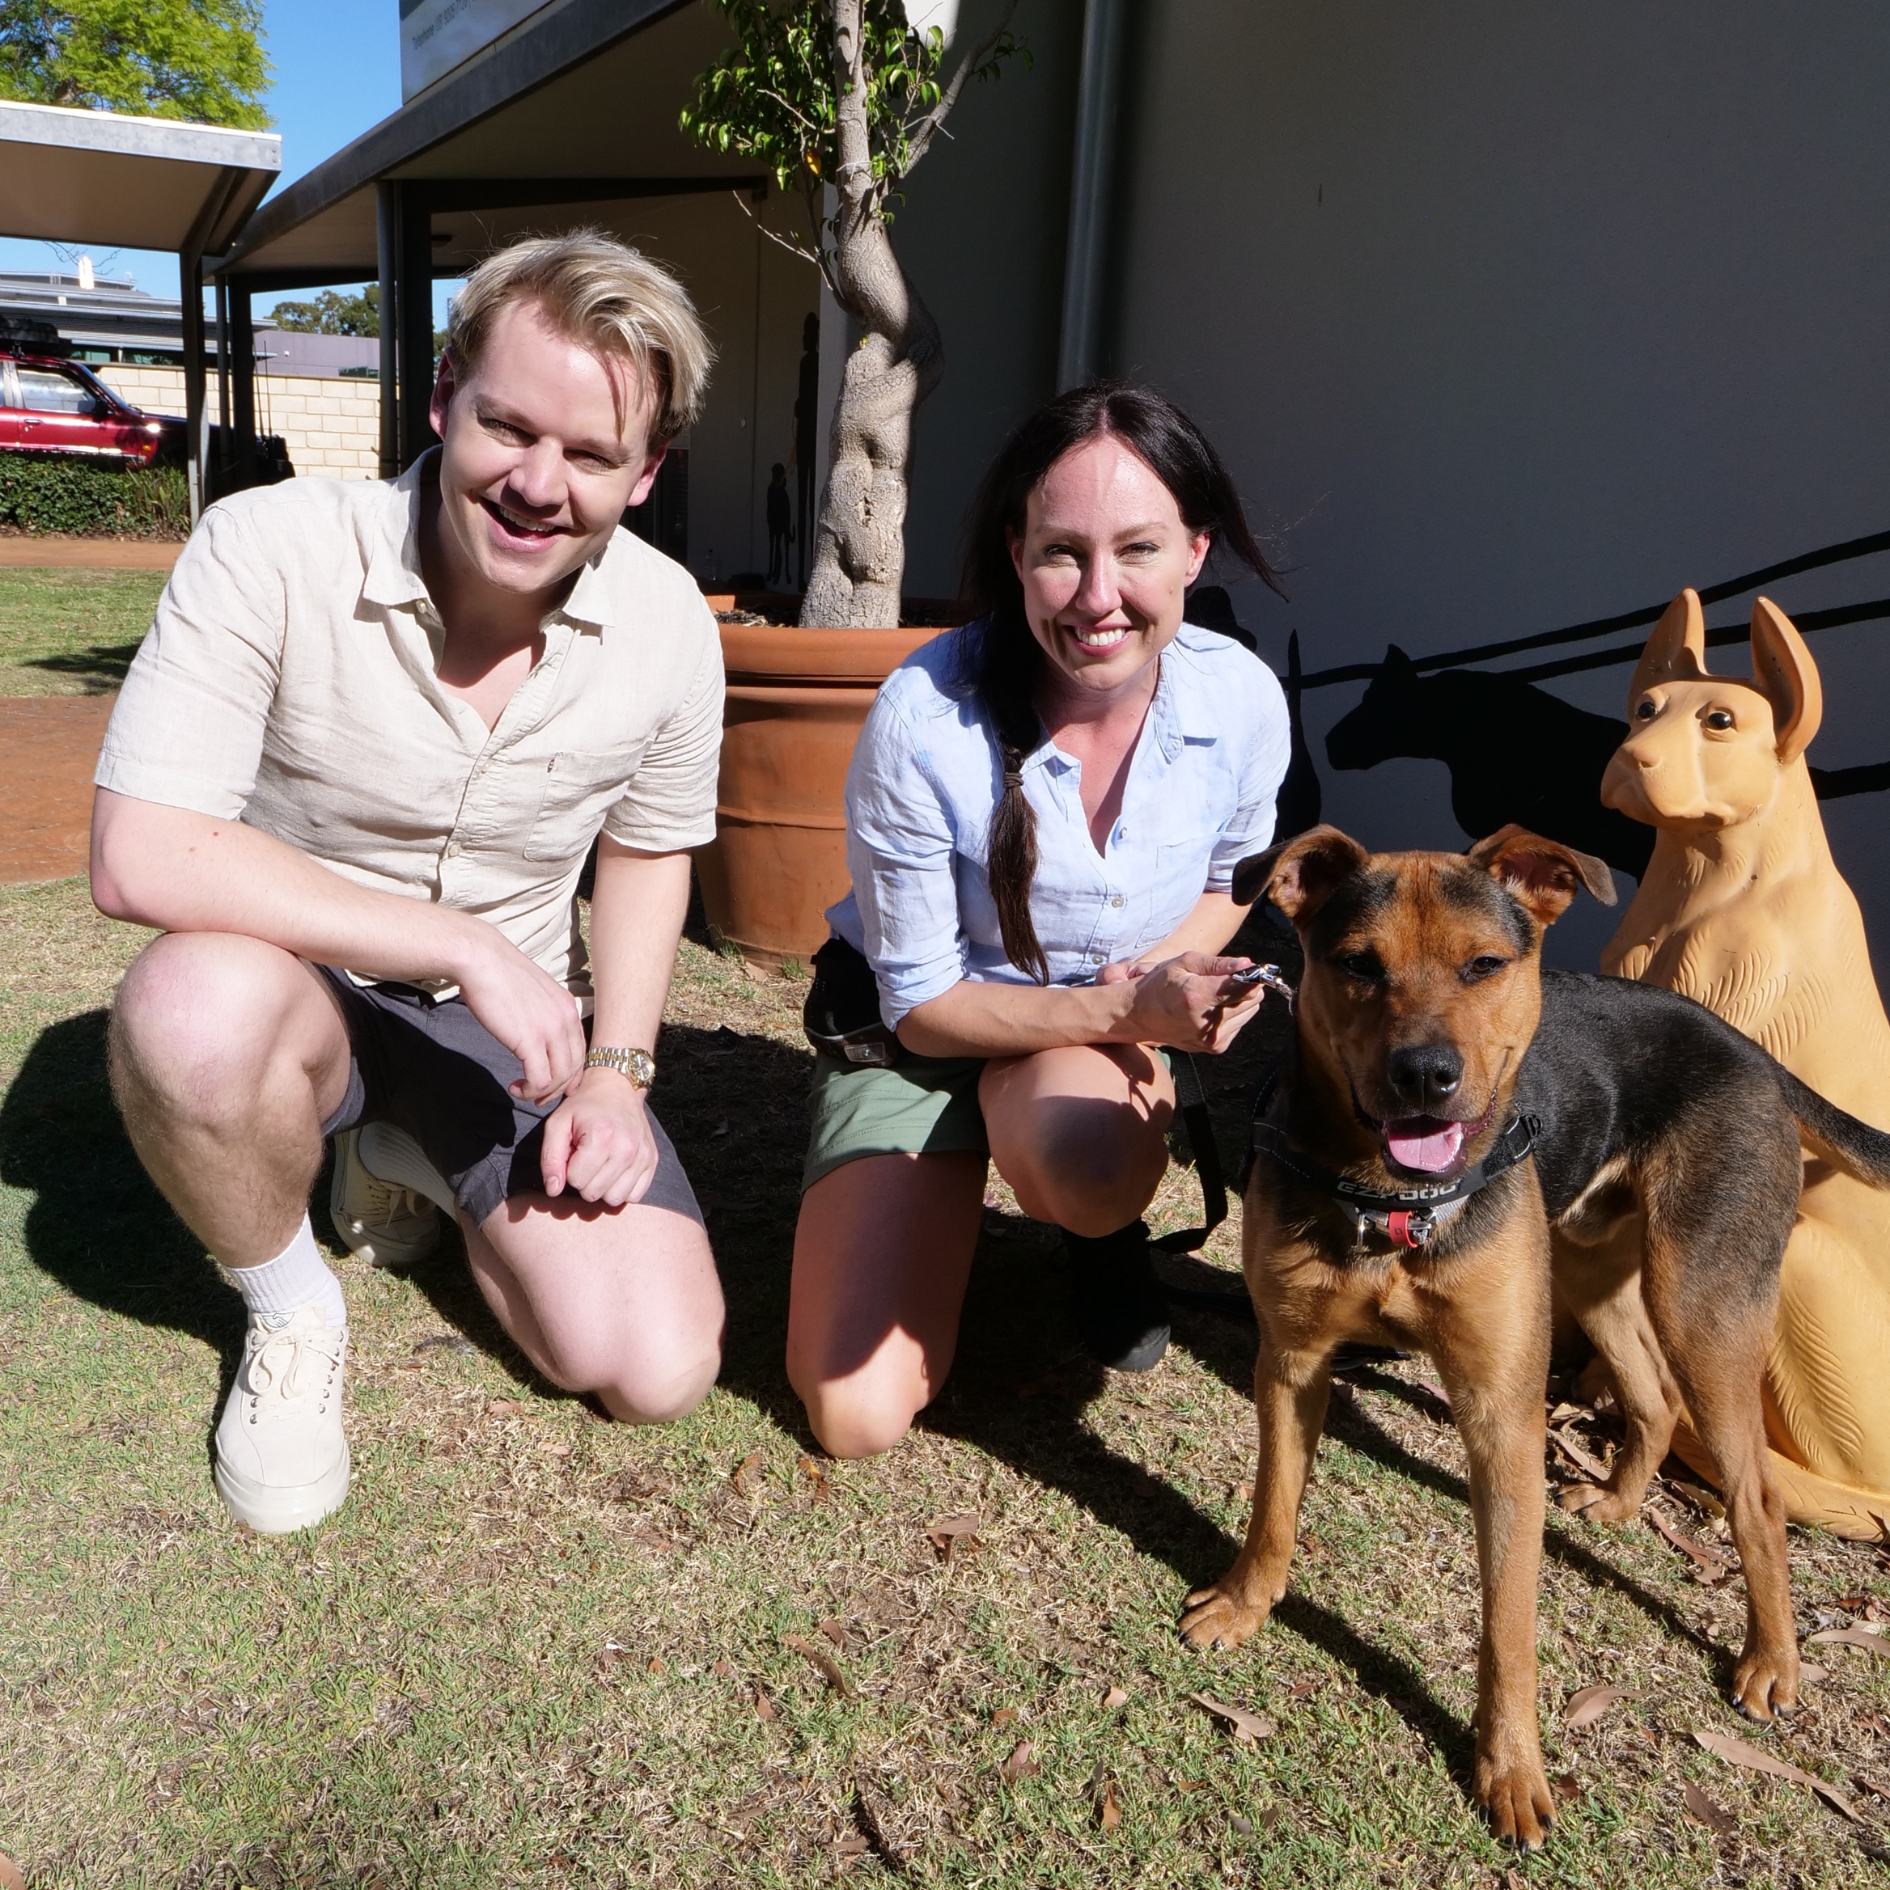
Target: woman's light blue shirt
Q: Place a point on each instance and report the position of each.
(925, 778)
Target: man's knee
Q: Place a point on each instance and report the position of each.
(198, 1016)
(644, 1392)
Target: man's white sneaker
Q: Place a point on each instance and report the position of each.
(282, 1460)
(387, 1224)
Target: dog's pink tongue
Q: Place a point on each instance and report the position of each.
(1424, 1143)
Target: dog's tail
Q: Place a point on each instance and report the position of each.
(1838, 1136)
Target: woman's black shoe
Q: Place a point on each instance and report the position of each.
(1116, 1304)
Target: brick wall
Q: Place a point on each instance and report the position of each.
(332, 425)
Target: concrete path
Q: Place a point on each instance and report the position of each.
(92, 554)
(50, 746)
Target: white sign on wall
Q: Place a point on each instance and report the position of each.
(437, 35)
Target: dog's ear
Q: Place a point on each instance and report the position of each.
(1783, 670)
(1544, 874)
(1676, 650)
(1299, 874)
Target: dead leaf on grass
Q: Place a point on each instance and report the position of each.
(853, 1845)
(503, 1407)
(656, 1665)
(1301, 1688)
(948, 1534)
(1108, 1808)
(816, 1473)
(10, 1874)
(1113, 1698)
(1242, 1724)
(1588, 1705)
(1590, 1467)
(1021, 1764)
(1003, 1716)
(835, 1631)
(1851, 1637)
(723, 1671)
(1241, 1493)
(764, 1707)
(1810, 1673)
(830, 1669)
(747, 1473)
(1737, 1752)
(1566, 1787)
(1715, 1817)
(556, 1450)
(1710, 1564)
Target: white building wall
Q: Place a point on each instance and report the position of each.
(1514, 315)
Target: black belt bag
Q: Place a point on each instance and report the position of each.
(841, 1015)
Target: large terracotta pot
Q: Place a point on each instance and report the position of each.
(796, 700)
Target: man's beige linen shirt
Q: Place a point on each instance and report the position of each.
(288, 680)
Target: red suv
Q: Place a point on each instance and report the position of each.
(51, 405)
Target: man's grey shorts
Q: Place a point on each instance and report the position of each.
(430, 1067)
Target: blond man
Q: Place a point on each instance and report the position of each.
(352, 778)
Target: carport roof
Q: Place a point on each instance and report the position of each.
(576, 104)
(113, 181)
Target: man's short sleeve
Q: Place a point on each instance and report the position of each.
(187, 730)
(669, 805)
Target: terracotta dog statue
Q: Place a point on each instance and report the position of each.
(1743, 909)
(1445, 1103)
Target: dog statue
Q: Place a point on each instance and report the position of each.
(1445, 1104)
(1743, 909)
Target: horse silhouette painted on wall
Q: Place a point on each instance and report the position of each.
(1517, 753)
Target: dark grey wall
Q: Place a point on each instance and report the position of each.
(1514, 314)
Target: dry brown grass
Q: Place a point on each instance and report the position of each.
(540, 1649)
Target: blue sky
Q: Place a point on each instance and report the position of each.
(337, 71)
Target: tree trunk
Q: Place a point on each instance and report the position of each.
(860, 547)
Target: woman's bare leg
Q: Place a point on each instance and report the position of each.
(1080, 1133)
(882, 1252)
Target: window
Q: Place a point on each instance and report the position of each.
(46, 390)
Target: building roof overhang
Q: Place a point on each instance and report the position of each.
(576, 104)
(114, 181)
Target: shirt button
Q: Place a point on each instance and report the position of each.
(452, 849)
(1115, 899)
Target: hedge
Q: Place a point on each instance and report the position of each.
(92, 500)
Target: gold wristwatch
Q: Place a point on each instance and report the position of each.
(638, 1065)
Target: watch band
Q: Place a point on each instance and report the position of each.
(638, 1065)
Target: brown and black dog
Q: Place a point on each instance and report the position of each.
(1393, 1199)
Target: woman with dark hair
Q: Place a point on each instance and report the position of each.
(1043, 817)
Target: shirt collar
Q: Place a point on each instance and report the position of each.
(393, 575)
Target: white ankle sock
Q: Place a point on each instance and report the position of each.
(297, 1276)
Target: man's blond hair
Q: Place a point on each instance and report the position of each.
(607, 297)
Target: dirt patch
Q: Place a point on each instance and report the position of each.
(51, 744)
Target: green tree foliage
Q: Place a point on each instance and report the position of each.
(200, 60)
(773, 98)
(331, 313)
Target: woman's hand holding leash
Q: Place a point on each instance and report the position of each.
(1192, 1002)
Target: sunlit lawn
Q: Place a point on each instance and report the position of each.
(536, 1648)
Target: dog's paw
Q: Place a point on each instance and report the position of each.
(1215, 1618)
(1515, 1797)
(1765, 1683)
(1597, 1502)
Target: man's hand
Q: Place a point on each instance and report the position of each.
(1186, 1002)
(598, 1141)
(529, 1012)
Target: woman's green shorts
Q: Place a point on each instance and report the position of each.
(920, 1106)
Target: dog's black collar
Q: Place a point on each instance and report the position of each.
(1408, 1217)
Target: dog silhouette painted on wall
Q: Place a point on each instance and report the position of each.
(1518, 754)
(1743, 909)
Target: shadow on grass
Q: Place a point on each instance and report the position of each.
(97, 1225)
(101, 666)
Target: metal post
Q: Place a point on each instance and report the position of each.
(225, 459)
(1079, 352)
(190, 283)
(387, 241)
(414, 316)
(242, 378)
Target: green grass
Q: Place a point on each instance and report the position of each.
(530, 1648)
(72, 633)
